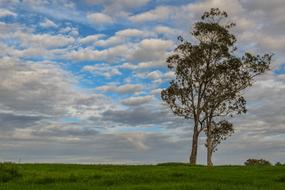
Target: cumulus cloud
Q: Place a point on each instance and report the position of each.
(154, 74)
(135, 117)
(5, 12)
(151, 50)
(111, 54)
(122, 36)
(91, 38)
(156, 14)
(11, 121)
(31, 88)
(48, 24)
(43, 40)
(118, 7)
(102, 70)
(99, 18)
(137, 100)
(121, 89)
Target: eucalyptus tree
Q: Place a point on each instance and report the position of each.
(210, 79)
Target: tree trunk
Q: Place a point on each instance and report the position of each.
(209, 151)
(193, 156)
(209, 145)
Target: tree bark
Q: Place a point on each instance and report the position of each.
(209, 145)
(209, 151)
(193, 155)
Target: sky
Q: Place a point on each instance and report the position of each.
(80, 81)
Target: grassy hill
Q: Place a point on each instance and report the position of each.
(115, 177)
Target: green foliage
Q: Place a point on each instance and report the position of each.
(257, 162)
(279, 164)
(220, 131)
(172, 164)
(166, 176)
(210, 78)
(8, 171)
(281, 179)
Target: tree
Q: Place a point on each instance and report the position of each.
(257, 162)
(216, 133)
(209, 80)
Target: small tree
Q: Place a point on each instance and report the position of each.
(210, 78)
(219, 132)
(257, 162)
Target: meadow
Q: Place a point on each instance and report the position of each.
(140, 177)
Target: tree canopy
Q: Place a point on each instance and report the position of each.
(210, 78)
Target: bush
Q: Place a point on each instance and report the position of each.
(279, 164)
(173, 164)
(8, 172)
(257, 162)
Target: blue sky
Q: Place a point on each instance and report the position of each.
(80, 80)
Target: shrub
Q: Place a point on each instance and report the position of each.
(257, 162)
(173, 164)
(279, 164)
(8, 172)
(281, 179)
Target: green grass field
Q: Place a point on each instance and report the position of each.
(83, 177)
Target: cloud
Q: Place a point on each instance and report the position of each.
(5, 13)
(123, 89)
(34, 88)
(91, 38)
(60, 10)
(136, 101)
(118, 7)
(135, 116)
(154, 75)
(63, 131)
(102, 70)
(137, 139)
(99, 18)
(167, 30)
(43, 40)
(159, 13)
(48, 24)
(151, 50)
(128, 3)
(123, 36)
(110, 55)
(268, 42)
(10, 121)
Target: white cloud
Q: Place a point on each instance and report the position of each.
(91, 38)
(137, 100)
(48, 24)
(118, 7)
(102, 70)
(130, 32)
(159, 13)
(123, 36)
(34, 88)
(137, 139)
(111, 54)
(99, 18)
(43, 40)
(5, 12)
(154, 75)
(156, 91)
(151, 50)
(167, 30)
(123, 89)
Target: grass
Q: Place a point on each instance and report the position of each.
(163, 176)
